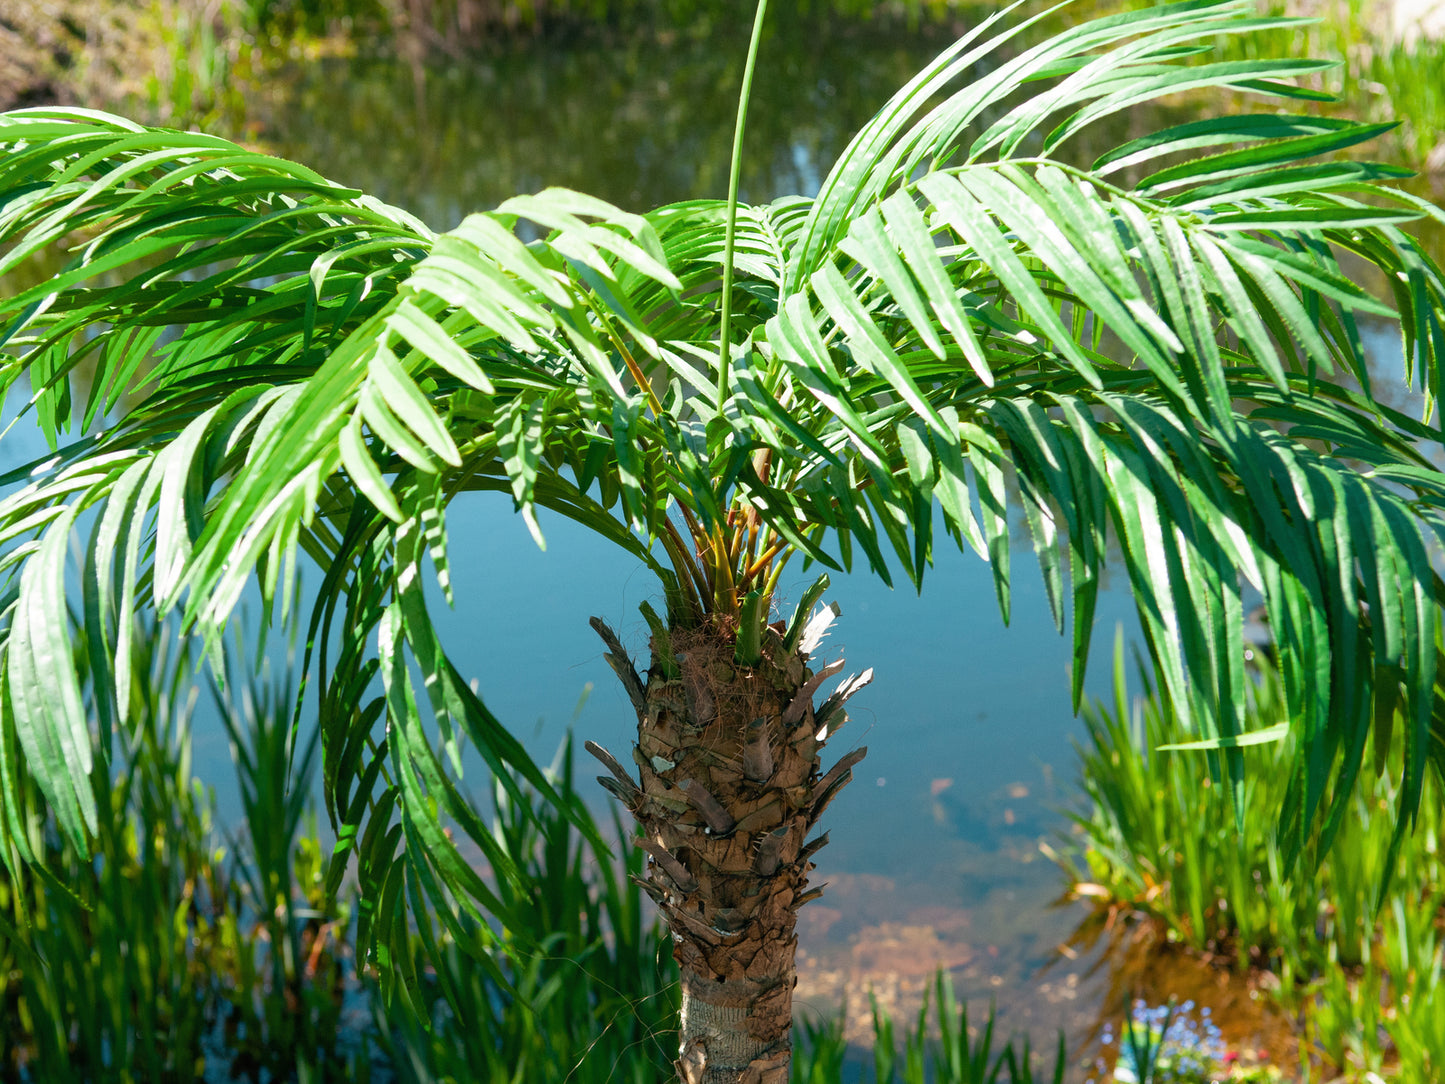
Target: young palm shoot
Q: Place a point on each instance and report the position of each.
(241, 363)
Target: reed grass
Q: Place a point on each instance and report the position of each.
(1380, 78)
(587, 989)
(172, 955)
(105, 967)
(1158, 841)
(1159, 837)
(938, 1048)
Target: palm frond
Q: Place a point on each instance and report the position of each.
(1164, 365)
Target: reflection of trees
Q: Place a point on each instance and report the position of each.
(455, 25)
(640, 119)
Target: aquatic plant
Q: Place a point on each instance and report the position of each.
(1360, 973)
(585, 991)
(946, 1052)
(1157, 836)
(175, 957)
(1386, 74)
(152, 961)
(277, 366)
(105, 965)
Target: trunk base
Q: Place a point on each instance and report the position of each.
(735, 1032)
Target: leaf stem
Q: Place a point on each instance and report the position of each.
(770, 581)
(724, 345)
(724, 585)
(643, 384)
(761, 564)
(690, 578)
(694, 528)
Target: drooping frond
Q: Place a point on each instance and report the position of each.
(1176, 365)
(257, 350)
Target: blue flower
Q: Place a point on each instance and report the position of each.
(1168, 1044)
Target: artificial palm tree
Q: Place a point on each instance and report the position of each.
(240, 363)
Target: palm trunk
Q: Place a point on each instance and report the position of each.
(728, 762)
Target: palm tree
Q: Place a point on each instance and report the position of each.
(248, 364)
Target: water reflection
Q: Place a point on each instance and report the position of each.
(640, 120)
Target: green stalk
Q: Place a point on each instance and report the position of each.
(724, 352)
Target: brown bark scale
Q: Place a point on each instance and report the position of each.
(729, 785)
